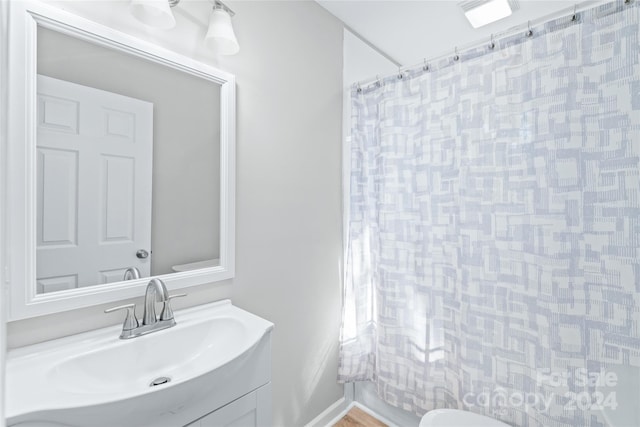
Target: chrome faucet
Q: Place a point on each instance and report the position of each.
(156, 292)
(131, 273)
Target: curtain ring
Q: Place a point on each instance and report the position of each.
(425, 67)
(575, 16)
(456, 57)
(529, 32)
(358, 88)
(400, 75)
(378, 81)
(492, 44)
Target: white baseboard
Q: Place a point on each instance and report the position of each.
(339, 409)
(331, 415)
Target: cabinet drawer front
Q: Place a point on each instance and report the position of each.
(251, 410)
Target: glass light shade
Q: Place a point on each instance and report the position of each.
(220, 35)
(155, 13)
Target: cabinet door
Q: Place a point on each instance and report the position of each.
(251, 410)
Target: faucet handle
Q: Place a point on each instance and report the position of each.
(130, 320)
(167, 312)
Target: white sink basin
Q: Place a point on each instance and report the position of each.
(97, 379)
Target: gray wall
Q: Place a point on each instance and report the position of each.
(4, 24)
(289, 250)
(185, 224)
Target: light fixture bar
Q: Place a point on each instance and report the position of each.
(217, 4)
(220, 35)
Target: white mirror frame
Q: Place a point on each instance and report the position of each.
(20, 163)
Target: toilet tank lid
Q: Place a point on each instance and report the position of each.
(196, 265)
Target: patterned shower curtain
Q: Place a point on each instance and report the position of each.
(492, 259)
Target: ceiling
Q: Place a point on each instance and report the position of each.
(410, 31)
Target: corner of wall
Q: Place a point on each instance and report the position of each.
(361, 60)
(4, 22)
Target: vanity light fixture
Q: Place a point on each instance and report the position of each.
(220, 35)
(483, 12)
(154, 13)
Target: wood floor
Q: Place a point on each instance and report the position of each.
(356, 417)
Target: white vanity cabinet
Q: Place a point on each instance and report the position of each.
(215, 363)
(247, 393)
(253, 409)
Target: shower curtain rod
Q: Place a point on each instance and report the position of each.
(569, 12)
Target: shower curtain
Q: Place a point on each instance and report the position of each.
(492, 253)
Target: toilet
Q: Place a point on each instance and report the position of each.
(207, 263)
(457, 418)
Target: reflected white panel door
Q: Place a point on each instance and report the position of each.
(94, 155)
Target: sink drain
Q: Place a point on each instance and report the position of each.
(159, 381)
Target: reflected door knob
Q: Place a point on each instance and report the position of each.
(142, 254)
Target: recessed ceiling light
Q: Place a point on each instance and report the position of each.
(483, 12)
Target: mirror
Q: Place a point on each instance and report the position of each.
(129, 152)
